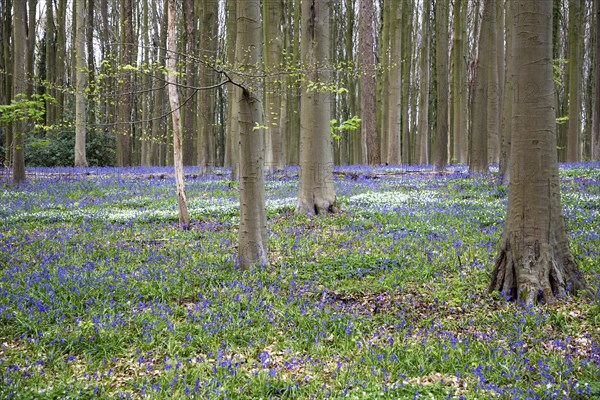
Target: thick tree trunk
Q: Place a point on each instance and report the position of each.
(596, 113)
(19, 88)
(406, 60)
(230, 142)
(171, 65)
(316, 193)
(252, 250)
(384, 59)
(80, 84)
(191, 106)
(424, 88)
(370, 144)
(535, 260)
(441, 68)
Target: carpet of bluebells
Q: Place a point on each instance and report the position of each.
(102, 295)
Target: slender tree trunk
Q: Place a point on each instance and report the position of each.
(384, 59)
(316, 193)
(575, 42)
(253, 221)
(80, 85)
(596, 113)
(184, 219)
(273, 49)
(395, 74)
(478, 159)
(459, 128)
(8, 81)
(493, 95)
(370, 145)
(91, 101)
(406, 61)
(51, 109)
(507, 103)
(441, 67)
(190, 107)
(424, 88)
(29, 56)
(535, 260)
(19, 87)
(231, 144)
(125, 108)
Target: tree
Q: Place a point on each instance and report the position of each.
(370, 144)
(441, 71)
(80, 84)
(424, 87)
(252, 250)
(478, 154)
(19, 88)
(534, 260)
(596, 113)
(505, 128)
(126, 88)
(395, 79)
(458, 83)
(575, 41)
(184, 219)
(316, 192)
(273, 51)
(493, 90)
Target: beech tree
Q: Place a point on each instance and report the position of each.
(252, 248)
(171, 65)
(441, 71)
(369, 142)
(596, 112)
(534, 260)
(80, 84)
(316, 192)
(575, 42)
(19, 88)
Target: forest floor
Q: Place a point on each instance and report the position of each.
(102, 295)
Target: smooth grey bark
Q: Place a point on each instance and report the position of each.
(424, 87)
(273, 52)
(575, 42)
(493, 88)
(478, 154)
(316, 192)
(230, 132)
(596, 112)
(80, 85)
(171, 65)
(507, 103)
(19, 88)
(535, 261)
(395, 79)
(369, 141)
(124, 136)
(459, 125)
(252, 248)
(441, 68)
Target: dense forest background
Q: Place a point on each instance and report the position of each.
(402, 81)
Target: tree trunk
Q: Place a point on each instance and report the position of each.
(19, 87)
(505, 129)
(191, 105)
(478, 159)
(370, 145)
(458, 83)
(535, 260)
(395, 74)
(424, 88)
(231, 143)
(273, 50)
(252, 250)
(125, 133)
(8, 56)
(406, 61)
(493, 92)
(51, 109)
(441, 68)
(575, 42)
(80, 85)
(316, 193)
(208, 44)
(596, 113)
(384, 60)
(171, 65)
